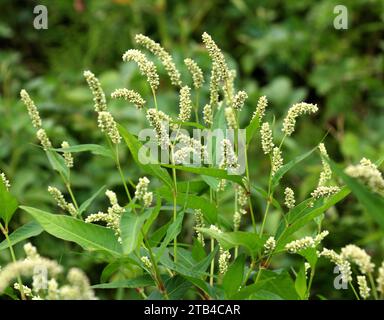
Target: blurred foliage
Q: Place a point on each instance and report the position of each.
(287, 50)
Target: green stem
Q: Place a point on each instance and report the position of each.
(354, 290)
(308, 293)
(212, 263)
(250, 192)
(374, 289)
(122, 174)
(13, 256)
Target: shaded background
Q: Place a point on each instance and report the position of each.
(286, 50)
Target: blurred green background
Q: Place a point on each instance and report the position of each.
(286, 50)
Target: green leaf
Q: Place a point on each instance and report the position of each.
(58, 164)
(228, 240)
(134, 146)
(87, 235)
(28, 230)
(252, 128)
(177, 287)
(212, 172)
(234, 276)
(301, 283)
(84, 206)
(139, 282)
(245, 292)
(310, 254)
(193, 202)
(288, 166)
(306, 214)
(8, 204)
(172, 232)
(93, 148)
(131, 225)
(154, 212)
(373, 203)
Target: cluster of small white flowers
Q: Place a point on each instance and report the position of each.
(289, 198)
(216, 56)
(326, 173)
(157, 121)
(61, 202)
(207, 114)
(115, 207)
(147, 67)
(146, 261)
(196, 72)
(306, 242)
(141, 192)
(111, 219)
(229, 87)
(277, 160)
(108, 125)
(30, 251)
(296, 110)
(368, 173)
(32, 110)
(185, 104)
(228, 159)
(26, 268)
(199, 223)
(323, 192)
(363, 287)
(68, 158)
(343, 264)
(181, 156)
(242, 198)
(5, 181)
(224, 260)
(236, 220)
(215, 228)
(163, 55)
(230, 117)
(307, 266)
(358, 256)
(214, 84)
(44, 140)
(192, 145)
(262, 103)
(97, 91)
(26, 290)
(269, 245)
(79, 287)
(239, 100)
(266, 138)
(129, 95)
(380, 279)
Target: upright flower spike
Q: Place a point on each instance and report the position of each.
(196, 72)
(289, 198)
(277, 160)
(214, 85)
(44, 140)
(207, 114)
(363, 287)
(229, 87)
(61, 202)
(269, 245)
(163, 55)
(295, 111)
(31, 107)
(157, 122)
(129, 95)
(141, 192)
(239, 100)
(223, 261)
(97, 91)
(185, 104)
(236, 220)
(5, 181)
(228, 157)
(262, 104)
(230, 117)
(108, 125)
(199, 223)
(146, 262)
(266, 138)
(216, 55)
(68, 158)
(306, 242)
(147, 68)
(326, 173)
